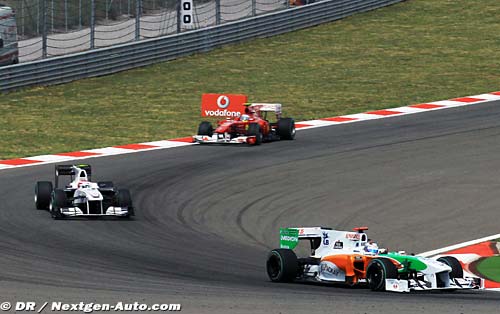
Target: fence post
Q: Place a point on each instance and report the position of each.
(66, 15)
(92, 24)
(44, 28)
(217, 12)
(138, 13)
(254, 7)
(52, 10)
(178, 9)
(23, 17)
(38, 18)
(80, 15)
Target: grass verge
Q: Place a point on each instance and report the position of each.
(490, 268)
(416, 51)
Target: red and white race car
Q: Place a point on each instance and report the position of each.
(252, 127)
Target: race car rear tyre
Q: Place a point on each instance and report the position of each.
(282, 265)
(378, 270)
(59, 200)
(205, 128)
(43, 191)
(286, 128)
(255, 130)
(456, 268)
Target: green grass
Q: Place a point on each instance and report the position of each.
(490, 268)
(416, 51)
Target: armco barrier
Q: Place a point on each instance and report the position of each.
(127, 56)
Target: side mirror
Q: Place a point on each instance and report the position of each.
(1, 43)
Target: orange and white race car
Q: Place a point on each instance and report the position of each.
(349, 257)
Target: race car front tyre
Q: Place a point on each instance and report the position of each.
(59, 200)
(378, 270)
(205, 128)
(255, 130)
(282, 265)
(123, 199)
(456, 268)
(286, 128)
(43, 191)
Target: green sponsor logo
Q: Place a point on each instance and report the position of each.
(409, 262)
(289, 238)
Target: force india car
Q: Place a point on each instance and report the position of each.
(251, 128)
(343, 257)
(81, 197)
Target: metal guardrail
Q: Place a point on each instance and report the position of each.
(127, 56)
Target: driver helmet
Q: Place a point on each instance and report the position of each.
(371, 247)
(249, 110)
(84, 184)
(245, 117)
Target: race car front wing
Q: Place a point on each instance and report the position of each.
(219, 138)
(407, 285)
(110, 211)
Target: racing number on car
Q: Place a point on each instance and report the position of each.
(325, 239)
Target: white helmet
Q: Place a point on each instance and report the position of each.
(371, 248)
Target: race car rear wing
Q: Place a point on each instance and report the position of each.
(322, 239)
(70, 170)
(289, 237)
(265, 107)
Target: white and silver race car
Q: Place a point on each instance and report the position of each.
(81, 197)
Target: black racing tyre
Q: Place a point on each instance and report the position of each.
(59, 200)
(255, 130)
(123, 198)
(43, 192)
(378, 270)
(286, 128)
(205, 128)
(456, 268)
(282, 265)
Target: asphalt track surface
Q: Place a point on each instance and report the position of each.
(207, 216)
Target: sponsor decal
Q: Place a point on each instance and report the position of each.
(338, 245)
(223, 105)
(221, 113)
(353, 236)
(223, 101)
(289, 238)
(330, 270)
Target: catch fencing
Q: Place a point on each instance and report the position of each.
(147, 51)
(48, 28)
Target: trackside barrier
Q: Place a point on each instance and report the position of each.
(127, 56)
